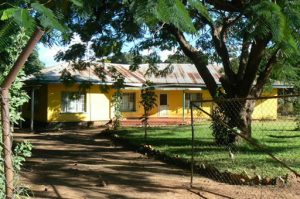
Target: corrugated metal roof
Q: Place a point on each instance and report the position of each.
(182, 74)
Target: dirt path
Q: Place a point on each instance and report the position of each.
(79, 164)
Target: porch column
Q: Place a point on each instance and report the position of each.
(32, 110)
(20, 120)
(183, 106)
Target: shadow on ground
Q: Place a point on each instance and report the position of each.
(85, 164)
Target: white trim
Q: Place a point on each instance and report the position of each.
(166, 88)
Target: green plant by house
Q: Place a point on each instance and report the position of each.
(148, 102)
(221, 134)
(117, 102)
(117, 96)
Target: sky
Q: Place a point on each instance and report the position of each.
(47, 54)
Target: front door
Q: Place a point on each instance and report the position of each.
(163, 105)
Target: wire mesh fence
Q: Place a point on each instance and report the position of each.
(253, 142)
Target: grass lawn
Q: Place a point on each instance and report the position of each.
(278, 137)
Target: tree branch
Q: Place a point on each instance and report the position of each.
(233, 6)
(243, 57)
(197, 57)
(221, 48)
(265, 74)
(218, 35)
(256, 53)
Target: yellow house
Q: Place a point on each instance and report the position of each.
(54, 103)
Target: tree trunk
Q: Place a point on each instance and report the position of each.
(145, 121)
(245, 114)
(237, 114)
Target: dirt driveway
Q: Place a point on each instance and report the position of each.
(79, 164)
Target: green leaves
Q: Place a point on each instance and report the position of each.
(200, 8)
(47, 18)
(23, 19)
(268, 17)
(278, 21)
(174, 12)
(78, 3)
(26, 14)
(8, 13)
(20, 16)
(22, 151)
(171, 12)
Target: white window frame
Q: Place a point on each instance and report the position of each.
(73, 102)
(192, 97)
(128, 102)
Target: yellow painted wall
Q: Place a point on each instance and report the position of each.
(206, 106)
(266, 108)
(97, 105)
(175, 104)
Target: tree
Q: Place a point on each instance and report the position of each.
(129, 58)
(177, 58)
(117, 97)
(148, 101)
(258, 35)
(15, 15)
(17, 96)
(33, 64)
(121, 58)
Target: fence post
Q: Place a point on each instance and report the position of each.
(7, 143)
(193, 141)
(5, 120)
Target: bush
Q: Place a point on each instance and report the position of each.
(17, 98)
(21, 151)
(221, 133)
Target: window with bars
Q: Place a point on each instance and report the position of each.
(128, 102)
(73, 102)
(192, 97)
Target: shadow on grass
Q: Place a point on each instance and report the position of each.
(247, 156)
(284, 136)
(206, 144)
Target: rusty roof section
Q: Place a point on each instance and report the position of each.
(181, 75)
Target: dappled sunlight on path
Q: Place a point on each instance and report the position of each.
(82, 164)
(85, 164)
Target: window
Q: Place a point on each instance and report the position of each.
(128, 102)
(163, 99)
(73, 102)
(192, 97)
